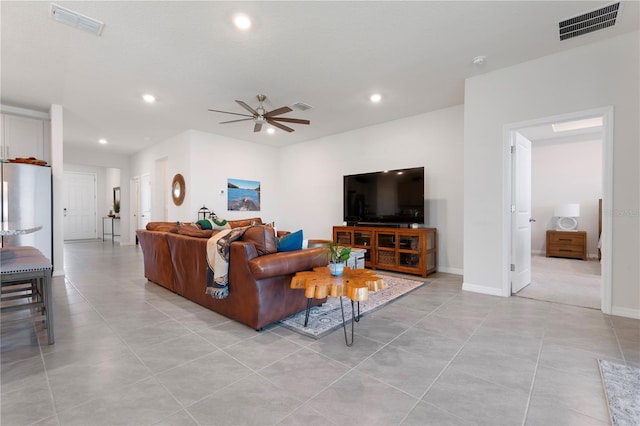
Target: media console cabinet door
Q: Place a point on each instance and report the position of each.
(407, 250)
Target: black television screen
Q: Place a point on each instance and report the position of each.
(392, 196)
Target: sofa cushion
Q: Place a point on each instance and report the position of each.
(290, 242)
(245, 222)
(162, 226)
(194, 231)
(262, 237)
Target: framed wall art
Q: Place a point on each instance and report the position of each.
(243, 195)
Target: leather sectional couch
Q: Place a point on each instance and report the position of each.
(259, 275)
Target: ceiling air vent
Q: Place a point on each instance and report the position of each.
(76, 20)
(301, 106)
(589, 22)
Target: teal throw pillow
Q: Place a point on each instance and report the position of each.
(205, 224)
(290, 242)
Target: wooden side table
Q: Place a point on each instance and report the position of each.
(569, 244)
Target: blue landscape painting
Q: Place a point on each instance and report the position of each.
(243, 195)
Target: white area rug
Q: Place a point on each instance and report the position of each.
(326, 318)
(622, 386)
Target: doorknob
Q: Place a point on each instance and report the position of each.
(65, 211)
(531, 219)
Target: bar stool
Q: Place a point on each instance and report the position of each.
(25, 273)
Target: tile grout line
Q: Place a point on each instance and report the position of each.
(535, 374)
(445, 368)
(615, 334)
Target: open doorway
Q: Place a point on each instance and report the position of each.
(569, 165)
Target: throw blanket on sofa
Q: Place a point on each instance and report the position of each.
(218, 260)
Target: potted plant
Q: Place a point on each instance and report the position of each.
(338, 256)
(116, 207)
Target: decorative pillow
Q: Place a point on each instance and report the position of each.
(194, 231)
(262, 237)
(291, 242)
(214, 224)
(204, 224)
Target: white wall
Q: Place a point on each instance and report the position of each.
(302, 184)
(593, 76)
(565, 171)
(310, 175)
(206, 161)
(176, 151)
(215, 158)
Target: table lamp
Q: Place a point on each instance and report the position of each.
(567, 214)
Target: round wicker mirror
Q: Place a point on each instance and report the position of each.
(178, 189)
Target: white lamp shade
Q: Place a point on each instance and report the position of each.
(567, 210)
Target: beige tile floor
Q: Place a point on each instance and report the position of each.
(569, 281)
(129, 352)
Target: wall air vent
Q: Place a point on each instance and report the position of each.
(301, 106)
(589, 22)
(76, 20)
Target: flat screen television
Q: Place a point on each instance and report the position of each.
(388, 197)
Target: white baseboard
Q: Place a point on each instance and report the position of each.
(625, 312)
(446, 270)
(474, 288)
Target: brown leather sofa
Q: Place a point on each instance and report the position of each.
(259, 276)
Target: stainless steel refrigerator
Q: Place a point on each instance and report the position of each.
(27, 201)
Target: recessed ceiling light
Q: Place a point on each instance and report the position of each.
(102, 141)
(149, 98)
(271, 130)
(577, 124)
(375, 98)
(242, 22)
(479, 60)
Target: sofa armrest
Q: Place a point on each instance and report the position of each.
(287, 263)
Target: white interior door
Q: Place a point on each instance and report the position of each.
(145, 200)
(521, 214)
(80, 206)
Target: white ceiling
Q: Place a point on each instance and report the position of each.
(331, 55)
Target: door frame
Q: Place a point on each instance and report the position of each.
(607, 195)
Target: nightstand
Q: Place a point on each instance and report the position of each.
(570, 244)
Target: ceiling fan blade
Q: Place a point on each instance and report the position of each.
(279, 126)
(234, 113)
(291, 120)
(278, 111)
(248, 108)
(257, 127)
(235, 121)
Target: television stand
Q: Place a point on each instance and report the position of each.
(407, 250)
